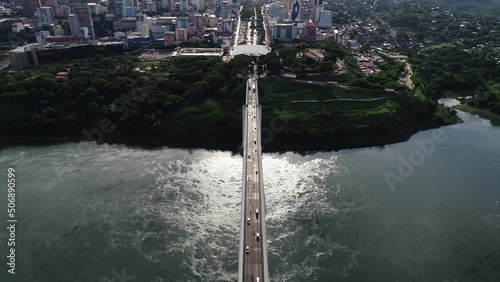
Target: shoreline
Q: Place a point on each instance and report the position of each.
(279, 144)
(482, 113)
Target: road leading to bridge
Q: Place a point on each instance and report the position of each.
(253, 238)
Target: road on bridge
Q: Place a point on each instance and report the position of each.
(254, 266)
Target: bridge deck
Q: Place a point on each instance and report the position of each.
(253, 261)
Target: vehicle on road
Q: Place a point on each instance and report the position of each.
(257, 213)
(248, 221)
(248, 250)
(257, 236)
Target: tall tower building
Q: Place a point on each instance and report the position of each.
(45, 16)
(85, 19)
(120, 9)
(317, 9)
(74, 24)
(184, 6)
(167, 4)
(130, 8)
(218, 7)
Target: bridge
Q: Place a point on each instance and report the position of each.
(253, 239)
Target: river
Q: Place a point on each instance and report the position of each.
(422, 210)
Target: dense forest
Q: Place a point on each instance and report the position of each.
(36, 103)
(196, 102)
(452, 71)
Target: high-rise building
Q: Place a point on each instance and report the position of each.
(181, 34)
(74, 24)
(227, 26)
(296, 9)
(325, 19)
(130, 8)
(151, 6)
(85, 19)
(212, 21)
(310, 29)
(225, 12)
(29, 6)
(182, 22)
(317, 9)
(218, 7)
(184, 6)
(199, 20)
(285, 31)
(45, 16)
(120, 9)
(166, 4)
(130, 12)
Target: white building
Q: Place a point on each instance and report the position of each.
(17, 27)
(83, 33)
(144, 30)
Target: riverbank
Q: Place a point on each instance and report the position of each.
(279, 135)
(279, 142)
(154, 109)
(480, 112)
